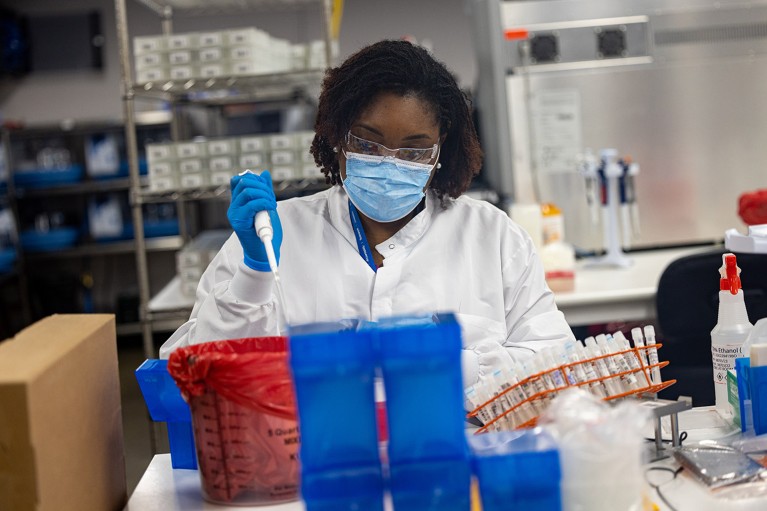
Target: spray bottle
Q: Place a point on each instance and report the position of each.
(730, 331)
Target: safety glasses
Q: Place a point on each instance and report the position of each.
(355, 144)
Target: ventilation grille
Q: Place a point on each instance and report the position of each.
(712, 35)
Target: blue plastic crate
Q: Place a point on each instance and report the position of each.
(55, 239)
(420, 359)
(165, 404)
(333, 368)
(758, 386)
(43, 178)
(517, 470)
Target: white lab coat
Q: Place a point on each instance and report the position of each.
(468, 258)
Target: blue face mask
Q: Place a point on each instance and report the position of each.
(386, 190)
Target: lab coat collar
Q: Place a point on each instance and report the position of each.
(338, 209)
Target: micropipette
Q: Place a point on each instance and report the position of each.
(265, 232)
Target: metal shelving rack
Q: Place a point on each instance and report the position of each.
(226, 90)
(14, 196)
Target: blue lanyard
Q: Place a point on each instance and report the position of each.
(362, 240)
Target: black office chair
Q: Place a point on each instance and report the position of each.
(687, 305)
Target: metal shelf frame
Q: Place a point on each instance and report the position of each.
(84, 187)
(160, 244)
(281, 189)
(239, 89)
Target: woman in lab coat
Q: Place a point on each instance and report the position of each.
(393, 235)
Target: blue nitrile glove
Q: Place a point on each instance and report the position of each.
(251, 194)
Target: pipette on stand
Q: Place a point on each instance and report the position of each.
(588, 166)
(625, 208)
(631, 190)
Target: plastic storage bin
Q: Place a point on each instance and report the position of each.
(517, 470)
(243, 415)
(44, 177)
(420, 358)
(334, 367)
(165, 404)
(54, 239)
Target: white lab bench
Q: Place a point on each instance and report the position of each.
(603, 294)
(165, 489)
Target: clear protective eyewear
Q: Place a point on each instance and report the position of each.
(355, 144)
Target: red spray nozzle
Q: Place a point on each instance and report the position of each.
(730, 274)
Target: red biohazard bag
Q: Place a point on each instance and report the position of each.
(244, 418)
(752, 207)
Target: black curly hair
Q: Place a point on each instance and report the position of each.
(404, 69)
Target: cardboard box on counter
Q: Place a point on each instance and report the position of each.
(61, 439)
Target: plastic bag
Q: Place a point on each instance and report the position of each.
(244, 418)
(600, 448)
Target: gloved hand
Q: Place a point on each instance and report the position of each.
(250, 194)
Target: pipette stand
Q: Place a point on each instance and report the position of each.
(614, 257)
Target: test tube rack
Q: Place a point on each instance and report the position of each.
(542, 397)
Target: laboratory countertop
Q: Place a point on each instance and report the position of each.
(164, 489)
(605, 294)
(601, 294)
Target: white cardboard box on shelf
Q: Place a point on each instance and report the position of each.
(180, 57)
(210, 39)
(253, 144)
(182, 72)
(192, 181)
(213, 70)
(161, 168)
(159, 184)
(220, 178)
(211, 54)
(249, 67)
(191, 149)
(221, 147)
(251, 160)
(247, 36)
(151, 74)
(283, 157)
(157, 152)
(191, 165)
(148, 44)
(154, 59)
(248, 53)
(298, 60)
(283, 141)
(186, 41)
(220, 164)
(284, 173)
(305, 139)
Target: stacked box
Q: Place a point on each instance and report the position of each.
(163, 173)
(306, 165)
(215, 54)
(194, 258)
(316, 57)
(192, 165)
(212, 163)
(150, 59)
